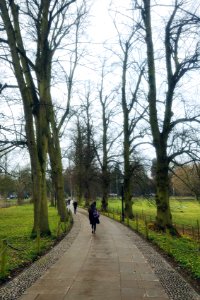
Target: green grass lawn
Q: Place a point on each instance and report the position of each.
(184, 211)
(16, 225)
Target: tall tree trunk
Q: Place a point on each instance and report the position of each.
(105, 174)
(163, 217)
(55, 154)
(127, 167)
(44, 67)
(127, 136)
(127, 189)
(105, 189)
(58, 180)
(79, 162)
(29, 98)
(52, 195)
(79, 188)
(42, 145)
(88, 198)
(36, 192)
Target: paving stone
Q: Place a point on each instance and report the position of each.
(50, 297)
(29, 297)
(132, 293)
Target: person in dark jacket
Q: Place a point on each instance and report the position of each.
(93, 216)
(75, 204)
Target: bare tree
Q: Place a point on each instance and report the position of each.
(47, 28)
(108, 137)
(89, 149)
(182, 55)
(56, 128)
(78, 158)
(131, 102)
(186, 179)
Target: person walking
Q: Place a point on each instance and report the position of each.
(75, 204)
(93, 216)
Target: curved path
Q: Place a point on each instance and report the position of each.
(113, 264)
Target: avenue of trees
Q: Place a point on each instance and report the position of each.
(141, 99)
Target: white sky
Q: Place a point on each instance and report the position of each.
(102, 27)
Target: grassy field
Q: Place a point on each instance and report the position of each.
(16, 225)
(184, 211)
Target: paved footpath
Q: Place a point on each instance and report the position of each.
(113, 264)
